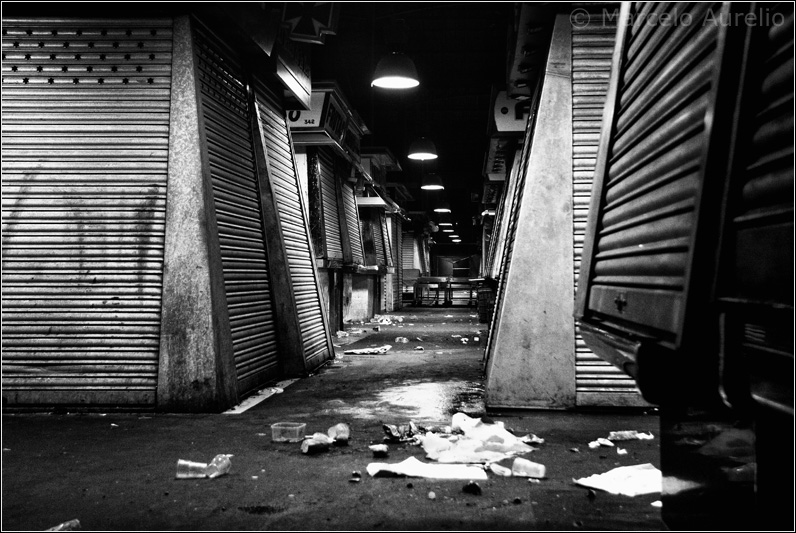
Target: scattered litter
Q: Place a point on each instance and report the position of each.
(464, 340)
(626, 480)
(420, 348)
(482, 442)
(402, 340)
(574, 450)
(591, 494)
(472, 488)
(255, 477)
(288, 431)
(657, 503)
(363, 351)
(448, 316)
(412, 467)
(71, 525)
(533, 480)
(476, 339)
(741, 474)
(432, 495)
(600, 442)
(438, 353)
(455, 336)
(629, 435)
(402, 433)
(525, 468)
(419, 339)
(379, 450)
(6, 449)
(219, 466)
(354, 480)
(337, 345)
(621, 451)
(377, 328)
(339, 433)
(473, 316)
(530, 438)
(114, 425)
(317, 443)
(341, 334)
(356, 474)
(500, 470)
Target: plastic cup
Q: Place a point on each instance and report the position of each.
(190, 469)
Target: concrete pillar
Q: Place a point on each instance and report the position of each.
(532, 359)
(196, 371)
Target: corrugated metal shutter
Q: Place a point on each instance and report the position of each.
(758, 294)
(597, 381)
(226, 115)
(284, 181)
(352, 219)
(331, 220)
(407, 251)
(85, 122)
(397, 247)
(378, 236)
(643, 238)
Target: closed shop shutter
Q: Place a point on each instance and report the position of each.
(408, 251)
(85, 122)
(642, 245)
(397, 246)
(757, 281)
(295, 232)
(331, 220)
(352, 219)
(226, 114)
(597, 381)
(378, 236)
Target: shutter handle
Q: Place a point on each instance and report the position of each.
(621, 302)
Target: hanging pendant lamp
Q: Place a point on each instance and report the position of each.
(422, 149)
(395, 71)
(432, 182)
(443, 207)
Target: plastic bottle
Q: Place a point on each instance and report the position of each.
(219, 466)
(525, 468)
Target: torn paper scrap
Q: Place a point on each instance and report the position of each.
(363, 351)
(600, 442)
(626, 480)
(413, 468)
(629, 435)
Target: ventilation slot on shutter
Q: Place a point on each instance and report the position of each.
(85, 107)
(237, 206)
(284, 181)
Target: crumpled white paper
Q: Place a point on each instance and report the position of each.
(627, 480)
(363, 351)
(414, 468)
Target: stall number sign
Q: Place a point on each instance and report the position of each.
(308, 119)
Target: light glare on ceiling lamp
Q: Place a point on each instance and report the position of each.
(447, 231)
(456, 240)
(442, 209)
(445, 224)
(422, 149)
(395, 71)
(432, 182)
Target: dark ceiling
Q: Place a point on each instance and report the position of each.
(460, 50)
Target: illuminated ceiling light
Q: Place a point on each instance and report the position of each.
(454, 236)
(444, 207)
(445, 224)
(432, 182)
(422, 149)
(447, 231)
(456, 240)
(395, 71)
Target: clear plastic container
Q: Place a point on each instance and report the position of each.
(288, 431)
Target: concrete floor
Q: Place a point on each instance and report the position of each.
(117, 471)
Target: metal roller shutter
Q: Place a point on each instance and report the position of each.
(225, 115)
(85, 122)
(331, 220)
(284, 181)
(597, 381)
(649, 194)
(407, 251)
(352, 217)
(397, 247)
(378, 236)
(758, 291)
